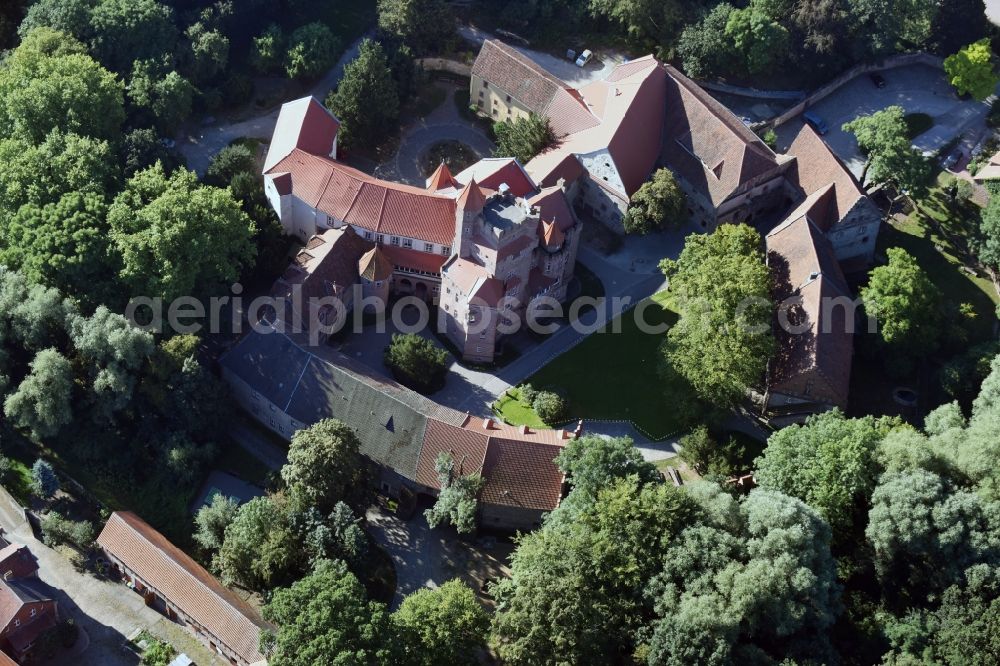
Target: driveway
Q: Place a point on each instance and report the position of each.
(201, 144)
(442, 124)
(106, 612)
(599, 67)
(427, 558)
(916, 88)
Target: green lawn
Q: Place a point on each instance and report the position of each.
(614, 375)
(17, 481)
(516, 411)
(937, 234)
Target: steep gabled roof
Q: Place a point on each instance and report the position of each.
(374, 265)
(184, 582)
(707, 145)
(816, 170)
(522, 474)
(304, 124)
(813, 362)
(506, 68)
(441, 179)
(630, 128)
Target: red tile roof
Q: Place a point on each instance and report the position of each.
(632, 103)
(16, 559)
(361, 200)
(304, 124)
(441, 179)
(467, 447)
(506, 68)
(374, 265)
(184, 583)
(491, 172)
(403, 257)
(818, 169)
(471, 198)
(522, 474)
(554, 207)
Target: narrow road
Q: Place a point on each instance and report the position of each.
(199, 148)
(106, 612)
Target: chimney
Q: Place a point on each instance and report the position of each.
(504, 190)
(487, 424)
(561, 184)
(579, 429)
(525, 430)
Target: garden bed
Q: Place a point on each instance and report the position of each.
(453, 153)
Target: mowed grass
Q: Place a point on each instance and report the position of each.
(515, 410)
(937, 234)
(614, 375)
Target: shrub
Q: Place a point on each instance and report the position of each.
(416, 362)
(550, 407)
(229, 161)
(267, 52)
(528, 393)
(57, 529)
(44, 481)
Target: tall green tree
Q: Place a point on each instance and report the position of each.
(212, 519)
(268, 50)
(259, 549)
(166, 95)
(971, 70)
(325, 619)
(722, 342)
(592, 463)
(177, 237)
(444, 626)
(325, 466)
(906, 305)
(366, 100)
(759, 39)
(208, 52)
(62, 245)
(69, 91)
(659, 203)
(830, 462)
(416, 362)
(884, 138)
(988, 241)
(71, 17)
(42, 402)
(312, 49)
(456, 502)
(421, 24)
(703, 47)
(753, 582)
(123, 31)
(522, 137)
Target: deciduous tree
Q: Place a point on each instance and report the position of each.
(312, 49)
(325, 466)
(659, 203)
(416, 362)
(123, 31)
(325, 618)
(722, 341)
(522, 137)
(42, 401)
(212, 519)
(444, 626)
(177, 237)
(456, 502)
(422, 24)
(259, 549)
(971, 70)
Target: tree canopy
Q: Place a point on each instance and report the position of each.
(177, 237)
(312, 49)
(884, 138)
(366, 100)
(421, 24)
(971, 70)
(416, 362)
(325, 467)
(659, 203)
(443, 626)
(522, 137)
(326, 619)
(721, 286)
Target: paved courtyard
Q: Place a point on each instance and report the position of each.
(916, 88)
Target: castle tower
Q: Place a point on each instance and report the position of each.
(468, 210)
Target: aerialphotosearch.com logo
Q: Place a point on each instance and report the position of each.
(319, 317)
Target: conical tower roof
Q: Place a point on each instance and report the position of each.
(441, 179)
(374, 265)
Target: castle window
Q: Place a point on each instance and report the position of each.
(446, 250)
(408, 242)
(394, 240)
(486, 85)
(368, 235)
(508, 99)
(428, 247)
(381, 238)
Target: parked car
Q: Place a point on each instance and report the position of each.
(570, 55)
(877, 79)
(949, 162)
(816, 121)
(584, 58)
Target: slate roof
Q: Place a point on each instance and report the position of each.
(814, 364)
(397, 427)
(184, 582)
(506, 68)
(706, 145)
